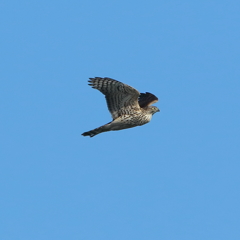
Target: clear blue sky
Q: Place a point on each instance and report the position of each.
(176, 178)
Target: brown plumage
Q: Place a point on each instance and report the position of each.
(127, 106)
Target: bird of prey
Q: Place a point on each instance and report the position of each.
(128, 107)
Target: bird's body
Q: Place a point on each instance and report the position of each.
(128, 107)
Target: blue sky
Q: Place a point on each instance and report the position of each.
(174, 178)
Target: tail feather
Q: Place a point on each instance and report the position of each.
(96, 131)
(91, 133)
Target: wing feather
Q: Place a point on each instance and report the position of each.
(147, 99)
(121, 98)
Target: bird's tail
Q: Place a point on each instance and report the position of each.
(96, 131)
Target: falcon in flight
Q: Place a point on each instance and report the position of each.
(128, 107)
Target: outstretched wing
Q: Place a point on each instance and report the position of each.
(121, 98)
(147, 99)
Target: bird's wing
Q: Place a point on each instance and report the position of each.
(147, 99)
(121, 98)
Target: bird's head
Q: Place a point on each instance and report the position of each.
(154, 109)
